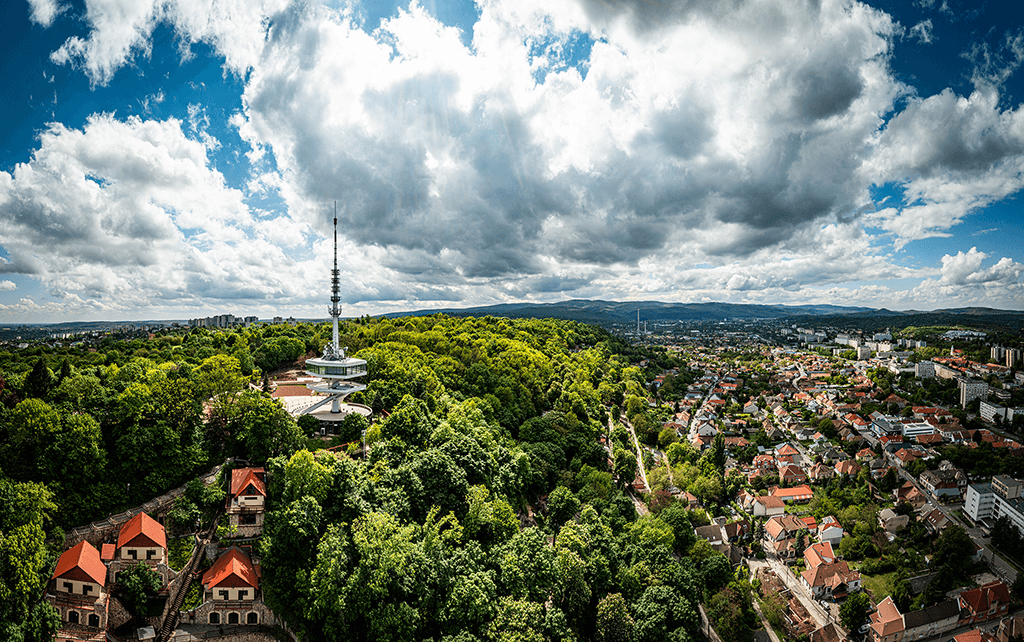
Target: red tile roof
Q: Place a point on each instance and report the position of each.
(797, 493)
(783, 525)
(887, 619)
(979, 600)
(107, 552)
(241, 478)
(975, 635)
(830, 574)
(818, 554)
(769, 501)
(233, 568)
(142, 531)
(81, 563)
(828, 522)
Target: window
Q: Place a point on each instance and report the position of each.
(94, 620)
(73, 617)
(86, 589)
(232, 618)
(247, 519)
(243, 594)
(69, 587)
(132, 553)
(214, 618)
(225, 595)
(252, 618)
(150, 554)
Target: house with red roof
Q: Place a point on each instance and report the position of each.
(231, 592)
(856, 420)
(886, 622)
(818, 554)
(246, 501)
(825, 575)
(786, 450)
(77, 591)
(848, 468)
(766, 462)
(768, 506)
(801, 493)
(142, 538)
(984, 603)
(909, 493)
(783, 527)
(906, 457)
(792, 474)
(830, 530)
(820, 473)
(830, 581)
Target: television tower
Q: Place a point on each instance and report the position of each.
(335, 369)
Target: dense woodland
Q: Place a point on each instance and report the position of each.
(485, 510)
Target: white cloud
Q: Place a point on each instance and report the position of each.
(963, 281)
(922, 31)
(43, 12)
(952, 156)
(742, 136)
(7, 286)
(120, 30)
(129, 212)
(965, 269)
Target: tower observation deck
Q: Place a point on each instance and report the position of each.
(336, 370)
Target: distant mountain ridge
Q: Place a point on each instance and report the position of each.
(611, 312)
(607, 313)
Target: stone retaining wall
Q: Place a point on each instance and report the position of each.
(97, 532)
(201, 614)
(227, 634)
(117, 615)
(705, 625)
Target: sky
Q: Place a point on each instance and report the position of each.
(174, 159)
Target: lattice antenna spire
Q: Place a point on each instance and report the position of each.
(335, 309)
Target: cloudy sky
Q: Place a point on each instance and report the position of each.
(167, 159)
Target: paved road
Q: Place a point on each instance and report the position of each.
(639, 452)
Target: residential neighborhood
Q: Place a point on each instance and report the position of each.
(804, 426)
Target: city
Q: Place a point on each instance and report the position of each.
(860, 485)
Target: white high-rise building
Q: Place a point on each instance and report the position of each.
(971, 390)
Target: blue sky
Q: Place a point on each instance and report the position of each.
(162, 159)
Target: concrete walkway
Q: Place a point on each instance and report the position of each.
(765, 623)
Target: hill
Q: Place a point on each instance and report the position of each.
(608, 313)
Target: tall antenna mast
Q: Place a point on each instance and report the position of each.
(335, 309)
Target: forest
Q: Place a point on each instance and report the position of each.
(486, 508)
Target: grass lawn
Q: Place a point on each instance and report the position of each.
(878, 585)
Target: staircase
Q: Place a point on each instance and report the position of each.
(187, 575)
